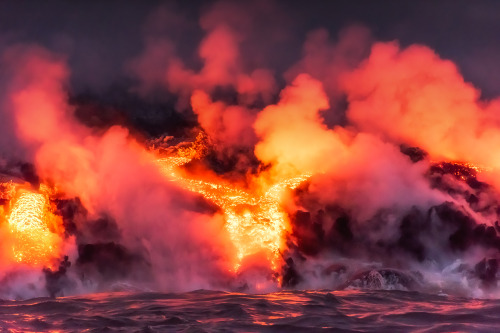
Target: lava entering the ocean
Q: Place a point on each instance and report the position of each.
(255, 220)
(35, 229)
(358, 156)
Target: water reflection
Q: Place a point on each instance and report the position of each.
(281, 311)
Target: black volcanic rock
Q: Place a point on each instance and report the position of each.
(28, 173)
(411, 226)
(414, 153)
(309, 233)
(467, 231)
(343, 228)
(103, 228)
(451, 215)
(487, 270)
(385, 279)
(238, 159)
(76, 222)
(460, 172)
(55, 281)
(486, 236)
(69, 210)
(437, 234)
(109, 260)
(290, 276)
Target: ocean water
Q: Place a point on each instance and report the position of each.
(286, 311)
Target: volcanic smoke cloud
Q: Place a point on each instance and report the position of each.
(363, 165)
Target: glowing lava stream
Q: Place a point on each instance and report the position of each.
(29, 222)
(255, 223)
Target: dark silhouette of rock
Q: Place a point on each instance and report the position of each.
(28, 173)
(55, 281)
(69, 209)
(452, 215)
(308, 232)
(386, 279)
(411, 226)
(109, 260)
(343, 228)
(414, 153)
(290, 277)
(487, 270)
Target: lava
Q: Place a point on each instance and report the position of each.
(462, 170)
(255, 221)
(35, 229)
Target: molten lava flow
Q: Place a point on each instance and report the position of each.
(34, 228)
(475, 167)
(462, 170)
(255, 222)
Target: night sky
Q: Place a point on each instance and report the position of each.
(99, 37)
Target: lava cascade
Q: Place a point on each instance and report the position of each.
(35, 229)
(255, 220)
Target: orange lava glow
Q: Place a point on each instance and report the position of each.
(475, 167)
(34, 228)
(255, 221)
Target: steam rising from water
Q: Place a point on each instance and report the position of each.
(393, 197)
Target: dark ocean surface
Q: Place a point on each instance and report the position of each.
(287, 311)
